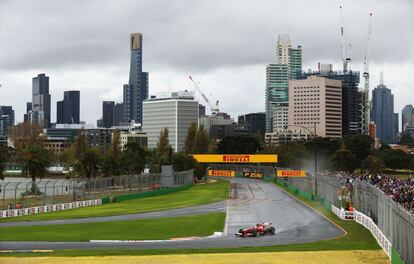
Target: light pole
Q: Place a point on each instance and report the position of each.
(315, 153)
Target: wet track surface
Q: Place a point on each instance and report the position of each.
(251, 201)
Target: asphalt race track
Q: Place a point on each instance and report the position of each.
(251, 201)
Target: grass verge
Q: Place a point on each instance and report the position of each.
(196, 195)
(357, 238)
(159, 228)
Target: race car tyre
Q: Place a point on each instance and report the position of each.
(272, 230)
(254, 233)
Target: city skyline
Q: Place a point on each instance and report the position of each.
(222, 58)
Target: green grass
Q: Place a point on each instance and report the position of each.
(357, 238)
(159, 228)
(196, 195)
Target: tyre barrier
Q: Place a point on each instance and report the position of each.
(48, 208)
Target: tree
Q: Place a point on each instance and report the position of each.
(202, 141)
(133, 158)
(394, 159)
(90, 163)
(291, 155)
(406, 139)
(190, 139)
(4, 157)
(360, 147)
(343, 160)
(34, 160)
(25, 134)
(163, 148)
(111, 164)
(182, 161)
(238, 145)
(372, 164)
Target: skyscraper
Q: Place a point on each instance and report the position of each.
(118, 114)
(407, 117)
(288, 67)
(136, 91)
(176, 113)
(383, 113)
(68, 110)
(108, 113)
(351, 111)
(40, 112)
(6, 118)
(316, 103)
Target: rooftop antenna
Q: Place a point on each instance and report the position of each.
(382, 77)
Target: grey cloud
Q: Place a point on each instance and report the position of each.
(70, 37)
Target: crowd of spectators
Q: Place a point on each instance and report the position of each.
(398, 189)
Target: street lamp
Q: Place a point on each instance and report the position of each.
(315, 152)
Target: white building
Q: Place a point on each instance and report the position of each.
(280, 116)
(283, 136)
(176, 113)
(316, 101)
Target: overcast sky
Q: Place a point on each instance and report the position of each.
(225, 45)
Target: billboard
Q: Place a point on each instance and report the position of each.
(226, 173)
(235, 158)
(291, 173)
(253, 174)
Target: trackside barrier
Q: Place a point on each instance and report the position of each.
(376, 232)
(131, 196)
(47, 208)
(303, 194)
(341, 213)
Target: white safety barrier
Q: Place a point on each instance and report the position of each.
(47, 208)
(341, 213)
(376, 232)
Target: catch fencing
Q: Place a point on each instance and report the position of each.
(58, 191)
(392, 219)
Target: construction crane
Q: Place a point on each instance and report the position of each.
(345, 49)
(366, 74)
(214, 108)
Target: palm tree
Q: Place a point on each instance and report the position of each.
(35, 160)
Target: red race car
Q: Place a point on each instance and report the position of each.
(258, 230)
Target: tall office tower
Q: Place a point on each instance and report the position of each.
(108, 113)
(383, 113)
(276, 90)
(407, 117)
(288, 67)
(6, 119)
(119, 114)
(315, 103)
(201, 110)
(295, 62)
(68, 110)
(396, 127)
(253, 123)
(351, 99)
(28, 109)
(40, 112)
(280, 116)
(175, 113)
(136, 91)
(282, 49)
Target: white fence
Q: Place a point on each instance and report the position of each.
(341, 213)
(48, 208)
(368, 223)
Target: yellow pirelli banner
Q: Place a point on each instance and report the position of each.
(291, 173)
(235, 158)
(226, 173)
